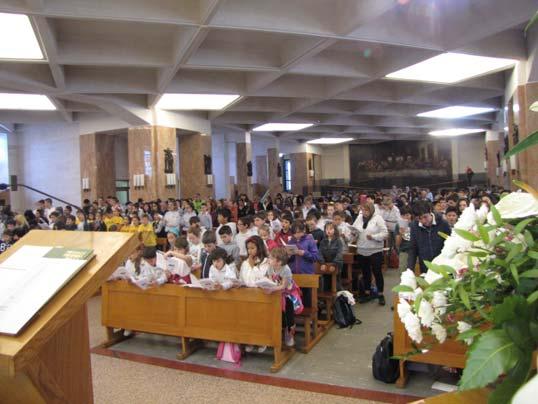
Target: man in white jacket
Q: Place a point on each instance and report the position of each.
(372, 232)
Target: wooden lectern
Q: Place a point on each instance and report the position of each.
(49, 361)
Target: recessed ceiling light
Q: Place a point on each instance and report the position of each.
(201, 102)
(17, 38)
(455, 132)
(282, 127)
(34, 102)
(458, 111)
(451, 68)
(330, 140)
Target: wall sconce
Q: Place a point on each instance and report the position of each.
(170, 180)
(85, 184)
(209, 180)
(138, 180)
(311, 173)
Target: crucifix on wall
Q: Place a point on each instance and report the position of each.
(168, 161)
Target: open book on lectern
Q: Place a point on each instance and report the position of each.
(30, 277)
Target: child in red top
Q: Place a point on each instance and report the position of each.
(264, 232)
(283, 236)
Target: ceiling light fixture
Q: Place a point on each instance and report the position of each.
(17, 38)
(457, 111)
(451, 68)
(330, 140)
(282, 127)
(30, 102)
(455, 132)
(195, 102)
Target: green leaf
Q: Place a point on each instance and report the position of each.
(493, 354)
(496, 215)
(533, 273)
(528, 238)
(422, 282)
(473, 332)
(466, 235)
(523, 145)
(464, 297)
(533, 297)
(514, 250)
(515, 274)
(443, 235)
(511, 307)
(515, 378)
(483, 233)
(521, 225)
(533, 254)
(402, 288)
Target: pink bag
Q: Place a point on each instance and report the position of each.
(229, 352)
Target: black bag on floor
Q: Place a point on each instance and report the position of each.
(383, 367)
(343, 313)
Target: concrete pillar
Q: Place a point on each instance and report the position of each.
(455, 158)
(97, 166)
(193, 179)
(493, 147)
(262, 181)
(299, 173)
(243, 158)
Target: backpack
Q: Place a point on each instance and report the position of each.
(385, 368)
(343, 313)
(229, 352)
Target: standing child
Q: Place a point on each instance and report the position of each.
(281, 274)
(210, 244)
(205, 217)
(264, 233)
(253, 269)
(274, 223)
(147, 234)
(284, 235)
(179, 269)
(243, 234)
(227, 243)
(331, 250)
(195, 244)
(306, 253)
(224, 216)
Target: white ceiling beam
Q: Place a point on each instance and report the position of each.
(68, 116)
(50, 46)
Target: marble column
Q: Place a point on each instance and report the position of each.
(275, 182)
(299, 173)
(493, 171)
(97, 165)
(243, 157)
(146, 150)
(193, 180)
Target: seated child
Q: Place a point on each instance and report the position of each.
(227, 243)
(264, 233)
(280, 273)
(221, 273)
(179, 267)
(253, 269)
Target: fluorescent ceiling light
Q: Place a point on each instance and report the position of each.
(282, 127)
(330, 140)
(17, 38)
(451, 68)
(455, 132)
(204, 102)
(458, 111)
(280, 155)
(34, 102)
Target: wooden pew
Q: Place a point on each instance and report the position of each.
(313, 332)
(328, 297)
(243, 316)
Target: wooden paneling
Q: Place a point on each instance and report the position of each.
(97, 164)
(242, 156)
(299, 173)
(275, 182)
(261, 170)
(191, 165)
(141, 148)
(165, 138)
(528, 124)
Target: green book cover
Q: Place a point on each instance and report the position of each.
(71, 253)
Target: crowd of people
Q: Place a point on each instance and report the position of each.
(240, 242)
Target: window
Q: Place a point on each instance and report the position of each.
(122, 191)
(287, 175)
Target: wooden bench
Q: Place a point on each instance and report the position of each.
(243, 316)
(327, 297)
(312, 330)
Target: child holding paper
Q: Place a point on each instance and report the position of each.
(221, 273)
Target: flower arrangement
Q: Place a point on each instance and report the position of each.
(483, 291)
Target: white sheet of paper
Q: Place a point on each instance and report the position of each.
(27, 282)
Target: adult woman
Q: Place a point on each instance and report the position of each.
(372, 231)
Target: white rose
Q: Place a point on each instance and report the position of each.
(456, 262)
(455, 244)
(412, 326)
(416, 293)
(432, 276)
(407, 279)
(467, 219)
(403, 308)
(516, 205)
(425, 312)
(439, 302)
(462, 327)
(439, 331)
